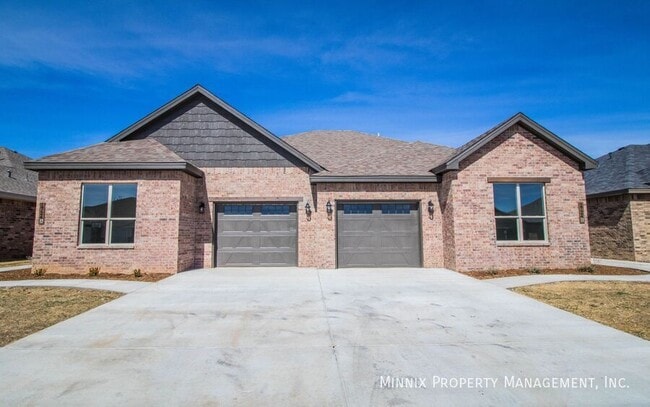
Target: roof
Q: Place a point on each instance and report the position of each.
(347, 153)
(16, 182)
(200, 90)
(627, 168)
(464, 151)
(146, 154)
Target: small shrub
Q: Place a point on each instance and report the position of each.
(93, 271)
(534, 270)
(586, 269)
(137, 273)
(39, 272)
(492, 272)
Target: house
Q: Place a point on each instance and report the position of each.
(17, 204)
(618, 202)
(196, 183)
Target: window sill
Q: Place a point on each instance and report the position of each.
(516, 243)
(105, 246)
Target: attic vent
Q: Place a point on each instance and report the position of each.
(9, 173)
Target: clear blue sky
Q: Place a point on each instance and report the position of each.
(443, 72)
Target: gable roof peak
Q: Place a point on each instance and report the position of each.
(529, 124)
(198, 89)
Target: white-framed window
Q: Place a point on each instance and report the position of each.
(520, 212)
(107, 214)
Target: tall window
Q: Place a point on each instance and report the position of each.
(108, 214)
(520, 212)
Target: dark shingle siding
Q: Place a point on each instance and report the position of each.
(205, 135)
(625, 168)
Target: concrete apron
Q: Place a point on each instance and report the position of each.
(320, 337)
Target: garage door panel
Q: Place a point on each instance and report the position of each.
(378, 235)
(256, 235)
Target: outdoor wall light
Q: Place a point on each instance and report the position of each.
(201, 208)
(430, 208)
(308, 210)
(41, 213)
(329, 210)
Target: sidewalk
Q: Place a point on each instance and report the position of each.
(14, 268)
(518, 281)
(623, 263)
(110, 285)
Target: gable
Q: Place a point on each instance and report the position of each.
(206, 135)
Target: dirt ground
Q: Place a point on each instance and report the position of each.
(597, 270)
(27, 275)
(25, 310)
(621, 305)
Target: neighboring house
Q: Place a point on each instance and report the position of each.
(618, 200)
(198, 184)
(17, 203)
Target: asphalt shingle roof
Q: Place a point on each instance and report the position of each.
(353, 153)
(14, 178)
(147, 150)
(626, 168)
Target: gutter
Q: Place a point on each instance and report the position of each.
(315, 179)
(178, 166)
(17, 197)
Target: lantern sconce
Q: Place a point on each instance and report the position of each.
(329, 210)
(581, 212)
(201, 208)
(430, 208)
(308, 211)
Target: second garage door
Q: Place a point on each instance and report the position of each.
(257, 234)
(378, 234)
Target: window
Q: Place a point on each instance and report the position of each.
(237, 209)
(520, 212)
(357, 208)
(396, 209)
(108, 214)
(274, 209)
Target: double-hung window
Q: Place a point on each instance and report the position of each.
(108, 214)
(520, 212)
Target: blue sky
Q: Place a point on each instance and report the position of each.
(441, 72)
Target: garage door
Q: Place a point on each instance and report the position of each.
(257, 234)
(384, 234)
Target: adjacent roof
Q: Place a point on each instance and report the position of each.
(464, 151)
(200, 90)
(146, 154)
(351, 154)
(15, 181)
(624, 170)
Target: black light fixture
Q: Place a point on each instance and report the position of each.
(430, 208)
(201, 208)
(328, 209)
(308, 210)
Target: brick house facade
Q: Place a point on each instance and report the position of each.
(206, 174)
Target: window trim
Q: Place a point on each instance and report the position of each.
(520, 241)
(108, 219)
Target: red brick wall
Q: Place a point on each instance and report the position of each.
(156, 230)
(640, 208)
(16, 229)
(610, 227)
(516, 153)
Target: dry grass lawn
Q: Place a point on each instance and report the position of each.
(594, 270)
(621, 305)
(25, 310)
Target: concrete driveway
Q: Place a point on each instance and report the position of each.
(316, 337)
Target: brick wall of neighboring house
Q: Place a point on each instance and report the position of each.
(156, 231)
(323, 253)
(16, 229)
(189, 219)
(640, 208)
(610, 227)
(517, 153)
